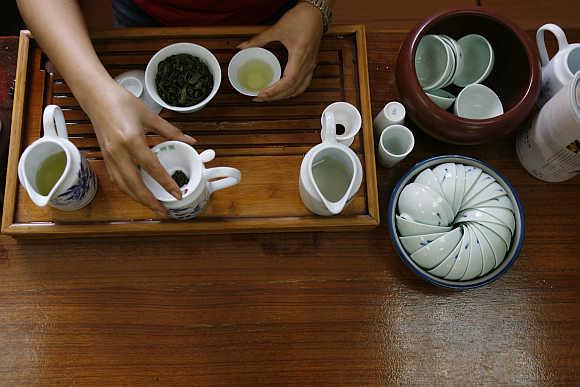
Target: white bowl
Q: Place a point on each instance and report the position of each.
(442, 269)
(441, 98)
(423, 205)
(499, 202)
(505, 216)
(182, 48)
(433, 62)
(446, 175)
(492, 191)
(458, 269)
(407, 227)
(478, 60)
(486, 251)
(435, 252)
(475, 265)
(477, 102)
(459, 187)
(246, 55)
(428, 178)
(483, 181)
(413, 243)
(499, 249)
(497, 244)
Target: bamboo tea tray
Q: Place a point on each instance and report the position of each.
(265, 141)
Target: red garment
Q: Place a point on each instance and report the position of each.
(210, 12)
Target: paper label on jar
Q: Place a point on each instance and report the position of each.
(548, 162)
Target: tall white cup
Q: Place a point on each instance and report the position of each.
(392, 114)
(550, 149)
(395, 143)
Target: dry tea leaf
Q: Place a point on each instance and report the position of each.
(183, 80)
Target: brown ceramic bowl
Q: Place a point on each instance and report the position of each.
(515, 77)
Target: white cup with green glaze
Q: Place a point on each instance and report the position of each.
(478, 60)
(477, 102)
(434, 62)
(441, 98)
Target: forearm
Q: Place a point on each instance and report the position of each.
(59, 28)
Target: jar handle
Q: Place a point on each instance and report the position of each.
(560, 37)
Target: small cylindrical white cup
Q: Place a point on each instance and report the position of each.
(392, 114)
(395, 143)
(346, 115)
(242, 57)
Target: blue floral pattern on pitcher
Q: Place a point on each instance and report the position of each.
(84, 187)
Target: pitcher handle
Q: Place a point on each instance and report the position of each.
(329, 128)
(53, 122)
(231, 177)
(560, 37)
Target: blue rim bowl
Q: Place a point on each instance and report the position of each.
(517, 240)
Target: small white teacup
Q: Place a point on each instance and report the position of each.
(243, 58)
(348, 121)
(477, 102)
(395, 143)
(392, 114)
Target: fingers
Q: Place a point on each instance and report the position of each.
(303, 86)
(164, 128)
(287, 85)
(149, 162)
(131, 184)
(259, 40)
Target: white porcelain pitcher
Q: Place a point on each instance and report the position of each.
(178, 156)
(76, 186)
(330, 174)
(558, 71)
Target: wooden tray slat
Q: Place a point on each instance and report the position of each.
(266, 141)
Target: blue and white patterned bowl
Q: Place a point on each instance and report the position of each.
(518, 237)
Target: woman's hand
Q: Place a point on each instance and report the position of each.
(120, 121)
(300, 31)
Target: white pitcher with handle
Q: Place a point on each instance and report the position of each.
(77, 185)
(330, 173)
(558, 71)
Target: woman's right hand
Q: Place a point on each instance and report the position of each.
(120, 121)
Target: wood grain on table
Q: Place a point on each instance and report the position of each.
(302, 309)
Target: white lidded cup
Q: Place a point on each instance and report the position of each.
(395, 143)
(134, 82)
(250, 54)
(477, 102)
(182, 48)
(348, 121)
(558, 71)
(550, 149)
(178, 156)
(393, 113)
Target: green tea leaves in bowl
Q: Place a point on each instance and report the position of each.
(183, 80)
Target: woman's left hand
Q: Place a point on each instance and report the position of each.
(300, 31)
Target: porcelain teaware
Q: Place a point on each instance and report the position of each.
(478, 60)
(242, 57)
(395, 143)
(345, 115)
(178, 156)
(327, 189)
(134, 82)
(393, 113)
(477, 102)
(77, 184)
(558, 71)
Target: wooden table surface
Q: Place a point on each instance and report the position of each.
(303, 309)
